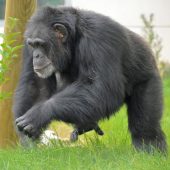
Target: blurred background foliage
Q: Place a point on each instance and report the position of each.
(8, 51)
(154, 41)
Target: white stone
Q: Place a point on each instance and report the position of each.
(47, 136)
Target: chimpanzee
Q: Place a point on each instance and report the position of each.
(80, 67)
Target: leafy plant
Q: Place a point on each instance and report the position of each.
(154, 40)
(8, 51)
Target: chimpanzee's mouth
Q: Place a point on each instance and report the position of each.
(40, 68)
(45, 71)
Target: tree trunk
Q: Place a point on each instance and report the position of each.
(22, 10)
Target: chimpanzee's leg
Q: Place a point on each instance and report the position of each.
(144, 115)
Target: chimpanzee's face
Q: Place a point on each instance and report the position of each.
(46, 45)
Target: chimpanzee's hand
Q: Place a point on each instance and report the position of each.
(33, 121)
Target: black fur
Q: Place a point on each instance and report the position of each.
(102, 66)
(79, 131)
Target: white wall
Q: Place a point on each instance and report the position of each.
(128, 12)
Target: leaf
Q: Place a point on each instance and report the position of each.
(11, 42)
(2, 35)
(11, 36)
(17, 48)
(7, 51)
(0, 51)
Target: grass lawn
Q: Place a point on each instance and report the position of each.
(112, 151)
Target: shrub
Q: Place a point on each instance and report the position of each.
(7, 53)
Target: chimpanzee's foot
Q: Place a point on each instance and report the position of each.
(79, 131)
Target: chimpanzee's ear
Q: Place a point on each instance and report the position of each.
(61, 31)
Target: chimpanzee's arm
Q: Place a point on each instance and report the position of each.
(31, 89)
(79, 104)
(27, 91)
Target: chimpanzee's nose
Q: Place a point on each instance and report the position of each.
(37, 54)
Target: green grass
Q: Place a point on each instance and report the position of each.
(112, 151)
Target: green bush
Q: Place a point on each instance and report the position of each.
(7, 53)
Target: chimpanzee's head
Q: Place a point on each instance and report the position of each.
(48, 36)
